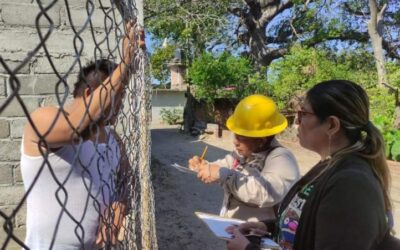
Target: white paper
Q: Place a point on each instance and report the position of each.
(183, 169)
(218, 225)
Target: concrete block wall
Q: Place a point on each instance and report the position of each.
(19, 37)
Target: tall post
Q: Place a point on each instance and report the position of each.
(147, 218)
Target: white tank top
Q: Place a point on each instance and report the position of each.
(87, 173)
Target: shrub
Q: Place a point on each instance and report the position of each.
(171, 116)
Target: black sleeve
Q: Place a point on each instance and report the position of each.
(351, 214)
(252, 246)
(270, 224)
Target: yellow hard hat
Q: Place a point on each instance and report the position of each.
(256, 116)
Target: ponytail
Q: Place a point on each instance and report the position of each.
(373, 151)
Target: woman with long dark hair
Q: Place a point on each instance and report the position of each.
(343, 202)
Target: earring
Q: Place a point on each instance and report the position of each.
(328, 157)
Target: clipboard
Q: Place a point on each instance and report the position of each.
(217, 225)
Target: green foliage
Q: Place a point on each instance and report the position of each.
(225, 76)
(171, 116)
(381, 99)
(188, 23)
(393, 73)
(304, 67)
(257, 84)
(159, 60)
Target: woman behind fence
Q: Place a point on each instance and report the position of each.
(343, 201)
(260, 171)
(71, 164)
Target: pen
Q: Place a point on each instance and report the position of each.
(204, 153)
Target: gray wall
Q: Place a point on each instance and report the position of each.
(18, 37)
(166, 98)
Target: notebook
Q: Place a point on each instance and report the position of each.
(217, 225)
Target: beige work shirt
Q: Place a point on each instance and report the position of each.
(253, 186)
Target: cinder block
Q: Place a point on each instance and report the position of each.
(63, 42)
(62, 65)
(14, 60)
(60, 42)
(3, 80)
(50, 84)
(10, 150)
(17, 127)
(38, 85)
(11, 195)
(18, 232)
(4, 129)
(19, 1)
(6, 174)
(26, 84)
(18, 40)
(8, 210)
(79, 17)
(71, 80)
(26, 14)
(20, 217)
(14, 108)
(17, 174)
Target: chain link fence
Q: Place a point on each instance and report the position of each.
(95, 190)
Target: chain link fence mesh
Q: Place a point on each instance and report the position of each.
(110, 186)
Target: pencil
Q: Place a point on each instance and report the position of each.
(204, 153)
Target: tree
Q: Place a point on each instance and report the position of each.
(375, 31)
(303, 67)
(225, 76)
(266, 28)
(190, 24)
(383, 23)
(159, 59)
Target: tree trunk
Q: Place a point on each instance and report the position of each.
(257, 41)
(255, 18)
(375, 31)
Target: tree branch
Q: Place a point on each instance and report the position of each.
(155, 13)
(269, 15)
(238, 12)
(274, 54)
(255, 8)
(349, 9)
(392, 51)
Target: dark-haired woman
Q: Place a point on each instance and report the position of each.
(343, 201)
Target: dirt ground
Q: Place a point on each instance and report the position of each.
(178, 195)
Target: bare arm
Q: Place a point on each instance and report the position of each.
(61, 127)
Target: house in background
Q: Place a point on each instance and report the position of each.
(173, 98)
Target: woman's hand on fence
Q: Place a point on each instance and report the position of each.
(112, 225)
(133, 38)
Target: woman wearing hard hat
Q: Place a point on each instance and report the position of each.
(260, 171)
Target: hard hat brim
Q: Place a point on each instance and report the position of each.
(276, 129)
